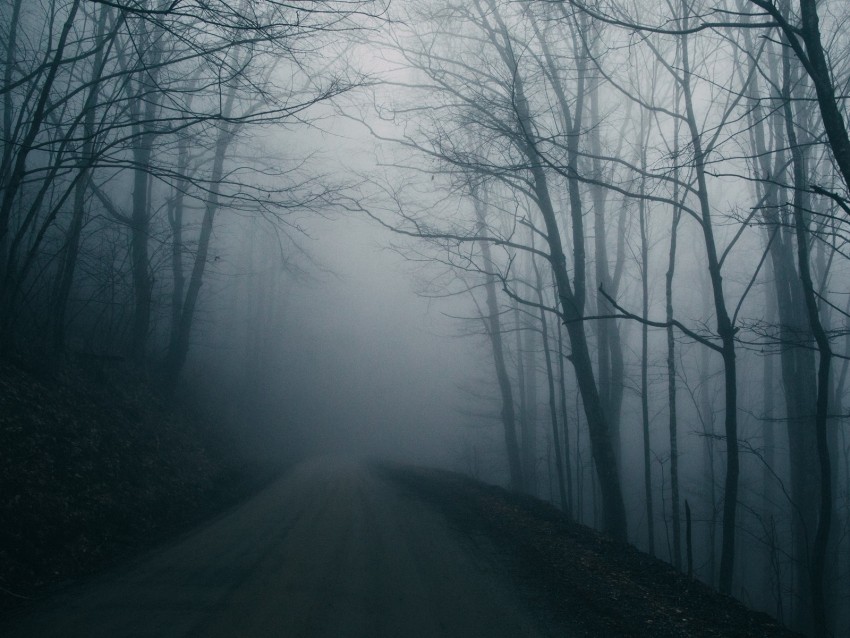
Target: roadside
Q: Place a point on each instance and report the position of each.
(94, 469)
(574, 573)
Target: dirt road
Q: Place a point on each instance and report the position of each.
(331, 549)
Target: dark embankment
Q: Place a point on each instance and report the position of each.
(570, 571)
(94, 467)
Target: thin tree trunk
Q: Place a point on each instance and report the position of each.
(175, 218)
(579, 463)
(140, 216)
(550, 380)
(709, 436)
(801, 227)
(644, 363)
(494, 332)
(565, 420)
(610, 349)
(671, 395)
(688, 540)
(530, 443)
(522, 392)
(671, 353)
(796, 358)
(768, 424)
(725, 330)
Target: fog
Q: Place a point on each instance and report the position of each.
(357, 354)
(598, 258)
(361, 363)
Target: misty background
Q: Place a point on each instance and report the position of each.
(594, 253)
(352, 360)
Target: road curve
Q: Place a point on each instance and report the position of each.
(329, 550)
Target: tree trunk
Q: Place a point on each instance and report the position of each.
(550, 380)
(179, 349)
(175, 220)
(709, 438)
(562, 382)
(529, 436)
(801, 227)
(140, 216)
(494, 332)
(796, 358)
(522, 392)
(647, 448)
(610, 348)
(644, 361)
(725, 330)
(571, 299)
(671, 367)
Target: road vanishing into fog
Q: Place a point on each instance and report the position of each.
(330, 549)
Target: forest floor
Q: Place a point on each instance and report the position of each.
(575, 573)
(94, 468)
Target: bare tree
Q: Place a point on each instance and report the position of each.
(99, 101)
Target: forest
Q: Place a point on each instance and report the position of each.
(630, 216)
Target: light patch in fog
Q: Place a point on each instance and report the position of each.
(368, 366)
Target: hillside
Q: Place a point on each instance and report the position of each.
(94, 468)
(578, 575)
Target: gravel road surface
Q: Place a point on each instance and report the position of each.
(330, 549)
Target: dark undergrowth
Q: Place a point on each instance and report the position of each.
(94, 468)
(579, 576)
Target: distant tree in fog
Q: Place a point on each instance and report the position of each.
(493, 326)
